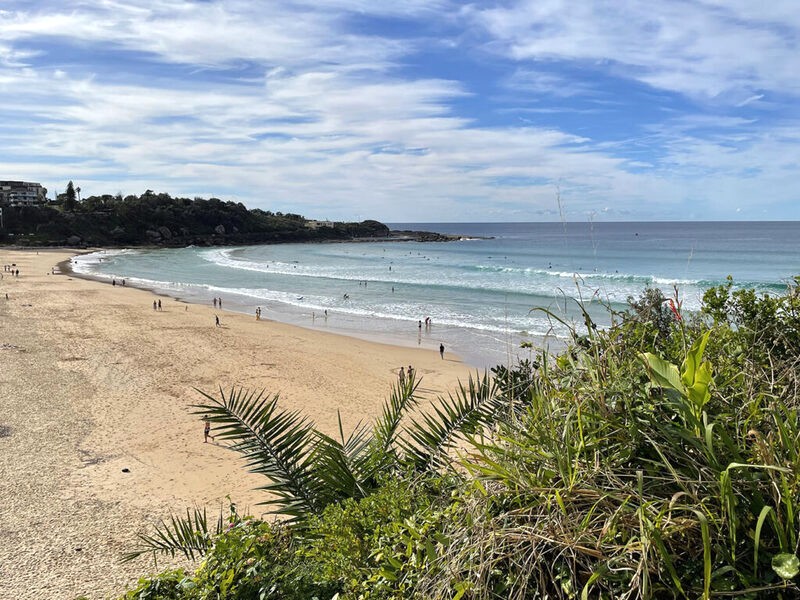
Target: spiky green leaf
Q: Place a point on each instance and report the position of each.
(275, 443)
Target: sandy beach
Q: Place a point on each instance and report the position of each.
(94, 381)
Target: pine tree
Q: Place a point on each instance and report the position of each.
(69, 201)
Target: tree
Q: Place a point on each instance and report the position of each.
(69, 201)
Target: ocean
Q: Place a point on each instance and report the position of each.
(484, 294)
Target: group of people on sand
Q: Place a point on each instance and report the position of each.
(428, 324)
(402, 374)
(9, 269)
(217, 302)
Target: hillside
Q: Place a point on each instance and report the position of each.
(161, 220)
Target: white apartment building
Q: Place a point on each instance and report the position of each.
(21, 193)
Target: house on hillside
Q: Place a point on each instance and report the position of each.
(22, 193)
(311, 224)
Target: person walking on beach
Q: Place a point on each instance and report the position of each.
(155, 307)
(219, 301)
(215, 302)
(216, 320)
(159, 305)
(207, 431)
(402, 375)
(441, 351)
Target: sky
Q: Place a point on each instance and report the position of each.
(412, 110)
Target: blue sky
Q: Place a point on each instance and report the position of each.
(421, 110)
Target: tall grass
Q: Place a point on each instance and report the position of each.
(629, 475)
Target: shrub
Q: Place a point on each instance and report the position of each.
(656, 459)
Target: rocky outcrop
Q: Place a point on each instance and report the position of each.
(421, 236)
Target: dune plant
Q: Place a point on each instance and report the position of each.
(658, 458)
(308, 470)
(632, 475)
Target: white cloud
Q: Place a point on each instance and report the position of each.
(211, 34)
(285, 105)
(715, 50)
(549, 84)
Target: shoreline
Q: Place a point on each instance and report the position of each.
(95, 381)
(481, 348)
(377, 337)
(348, 326)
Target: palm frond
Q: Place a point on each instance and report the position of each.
(427, 440)
(336, 475)
(275, 443)
(348, 469)
(337, 465)
(189, 536)
(402, 399)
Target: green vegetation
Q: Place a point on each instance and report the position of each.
(656, 459)
(159, 219)
(69, 199)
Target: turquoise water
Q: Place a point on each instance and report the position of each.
(478, 292)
